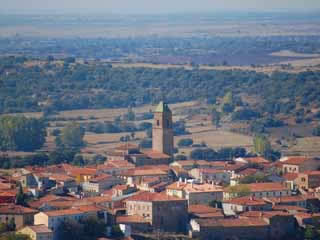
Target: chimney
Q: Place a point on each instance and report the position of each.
(180, 179)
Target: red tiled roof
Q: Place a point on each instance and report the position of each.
(131, 219)
(153, 197)
(289, 208)
(290, 176)
(247, 201)
(99, 199)
(82, 171)
(264, 214)
(296, 160)
(16, 209)
(63, 212)
(225, 223)
(100, 177)
(286, 199)
(266, 187)
(8, 194)
(156, 155)
(40, 228)
(311, 173)
(198, 208)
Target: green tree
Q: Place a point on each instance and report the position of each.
(262, 146)
(21, 197)
(240, 190)
(14, 236)
(72, 136)
(21, 133)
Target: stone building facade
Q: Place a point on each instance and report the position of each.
(165, 213)
(162, 131)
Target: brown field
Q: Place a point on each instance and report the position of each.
(287, 53)
(308, 146)
(298, 66)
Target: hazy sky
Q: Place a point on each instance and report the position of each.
(158, 6)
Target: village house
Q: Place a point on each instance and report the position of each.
(211, 175)
(289, 180)
(308, 180)
(37, 232)
(64, 181)
(136, 175)
(21, 216)
(164, 212)
(97, 184)
(259, 190)
(224, 229)
(237, 176)
(49, 202)
(152, 184)
(299, 164)
(82, 174)
(243, 204)
(282, 225)
(196, 193)
(53, 219)
(115, 167)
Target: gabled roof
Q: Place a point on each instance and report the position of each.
(225, 223)
(153, 197)
(295, 160)
(247, 201)
(156, 155)
(199, 208)
(39, 228)
(131, 219)
(16, 209)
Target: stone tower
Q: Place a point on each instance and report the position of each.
(162, 132)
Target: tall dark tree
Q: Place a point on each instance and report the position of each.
(21, 133)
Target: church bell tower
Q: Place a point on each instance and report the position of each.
(162, 132)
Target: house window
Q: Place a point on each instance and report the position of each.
(158, 123)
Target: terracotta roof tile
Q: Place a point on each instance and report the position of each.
(198, 208)
(153, 197)
(247, 201)
(295, 160)
(225, 223)
(156, 155)
(266, 187)
(16, 209)
(290, 176)
(131, 219)
(40, 228)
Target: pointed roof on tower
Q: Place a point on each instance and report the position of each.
(162, 107)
